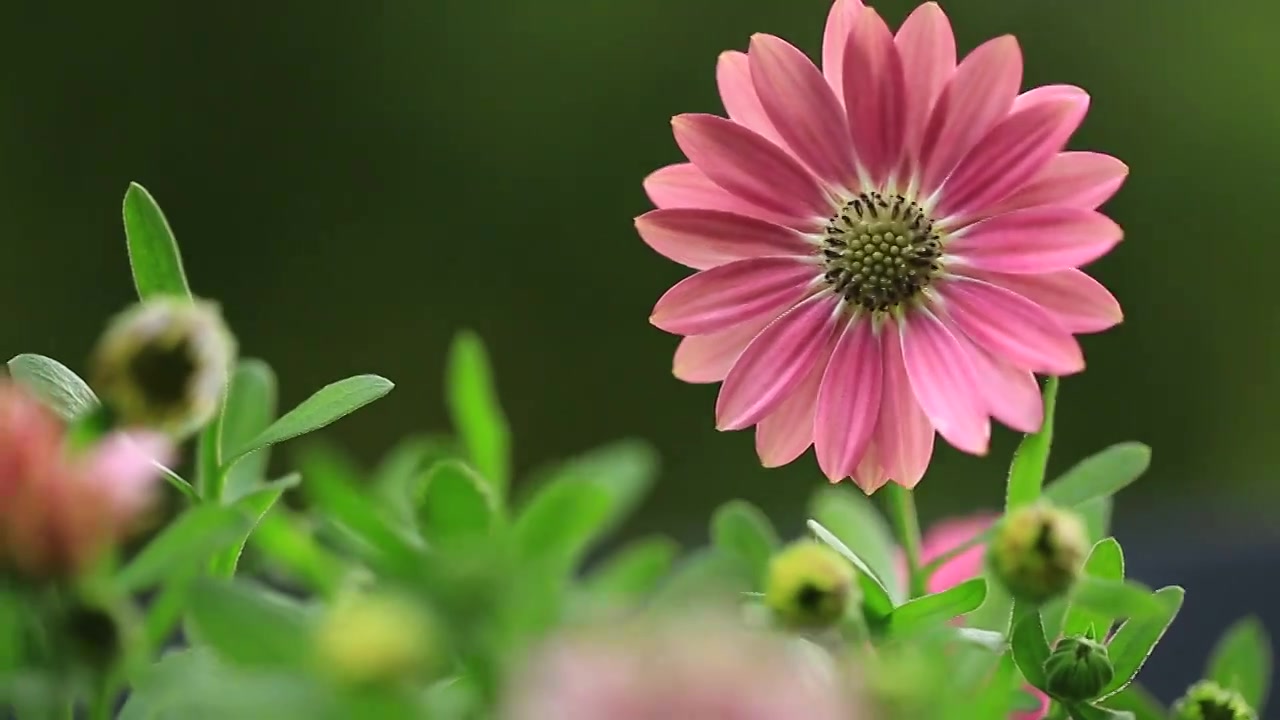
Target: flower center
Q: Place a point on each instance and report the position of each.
(880, 251)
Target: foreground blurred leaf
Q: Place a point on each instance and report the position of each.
(54, 384)
(741, 531)
(457, 505)
(249, 625)
(876, 600)
(1085, 711)
(626, 469)
(1100, 475)
(701, 577)
(195, 685)
(1030, 648)
(560, 523)
(250, 408)
(327, 405)
(153, 251)
(850, 516)
(1105, 562)
(635, 571)
(1026, 473)
(398, 478)
(1138, 701)
(1096, 514)
(188, 542)
(938, 608)
(283, 538)
(1241, 660)
(476, 412)
(1138, 636)
(253, 507)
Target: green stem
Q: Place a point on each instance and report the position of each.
(902, 510)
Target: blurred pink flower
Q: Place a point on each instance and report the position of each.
(59, 509)
(685, 670)
(873, 271)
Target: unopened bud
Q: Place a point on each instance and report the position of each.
(1207, 700)
(376, 639)
(1078, 669)
(809, 585)
(1038, 552)
(164, 364)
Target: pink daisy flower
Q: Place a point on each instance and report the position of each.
(887, 247)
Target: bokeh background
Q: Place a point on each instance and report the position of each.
(356, 181)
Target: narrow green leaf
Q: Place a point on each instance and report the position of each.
(851, 516)
(397, 480)
(249, 625)
(1026, 474)
(561, 522)
(741, 531)
(625, 469)
(1105, 562)
(282, 538)
(1241, 660)
(635, 571)
(701, 576)
(188, 542)
(1096, 514)
(938, 608)
(876, 600)
(477, 414)
(254, 505)
(54, 384)
(1138, 701)
(153, 251)
(457, 505)
(250, 408)
(327, 405)
(1085, 711)
(1100, 475)
(1109, 600)
(1138, 636)
(1030, 649)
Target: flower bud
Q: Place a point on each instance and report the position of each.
(370, 639)
(164, 364)
(1207, 700)
(1038, 552)
(809, 585)
(1078, 669)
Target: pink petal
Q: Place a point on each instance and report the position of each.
(1011, 327)
(787, 432)
(750, 167)
(942, 379)
(127, 465)
(1045, 94)
(977, 97)
(707, 358)
(904, 437)
(1015, 151)
(802, 108)
(1078, 302)
(775, 363)
(928, 50)
(876, 90)
(1035, 240)
(834, 39)
(685, 186)
(1012, 394)
(1073, 179)
(849, 400)
(733, 78)
(871, 475)
(727, 295)
(703, 239)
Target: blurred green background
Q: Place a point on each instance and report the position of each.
(356, 181)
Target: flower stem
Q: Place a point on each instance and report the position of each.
(902, 510)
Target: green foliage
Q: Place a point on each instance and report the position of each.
(477, 415)
(1241, 661)
(54, 384)
(153, 251)
(741, 531)
(1031, 460)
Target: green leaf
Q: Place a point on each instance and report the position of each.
(625, 469)
(188, 542)
(249, 410)
(194, 684)
(1138, 701)
(560, 523)
(1105, 562)
(700, 577)
(53, 384)
(1085, 711)
(1096, 514)
(741, 531)
(876, 601)
(1100, 475)
(938, 608)
(634, 571)
(153, 251)
(476, 412)
(1138, 636)
(1026, 474)
(851, 516)
(1241, 660)
(457, 505)
(254, 506)
(1030, 649)
(398, 478)
(327, 405)
(282, 538)
(249, 625)
(1109, 600)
